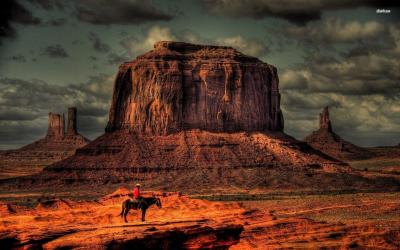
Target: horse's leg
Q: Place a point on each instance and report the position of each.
(143, 213)
(122, 211)
(126, 213)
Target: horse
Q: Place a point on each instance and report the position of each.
(144, 205)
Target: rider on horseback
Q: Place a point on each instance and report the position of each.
(136, 195)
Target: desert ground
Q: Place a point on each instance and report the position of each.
(330, 221)
(87, 218)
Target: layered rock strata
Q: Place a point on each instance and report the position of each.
(72, 123)
(180, 86)
(56, 126)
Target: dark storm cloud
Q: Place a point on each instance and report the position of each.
(116, 59)
(119, 12)
(369, 66)
(295, 11)
(34, 95)
(362, 49)
(18, 58)
(14, 135)
(135, 45)
(303, 100)
(334, 30)
(24, 106)
(56, 22)
(377, 75)
(252, 47)
(103, 12)
(11, 11)
(361, 75)
(55, 51)
(48, 4)
(360, 83)
(77, 42)
(17, 114)
(97, 44)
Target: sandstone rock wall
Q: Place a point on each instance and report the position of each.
(179, 86)
(72, 128)
(324, 120)
(55, 125)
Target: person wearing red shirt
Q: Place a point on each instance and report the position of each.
(136, 195)
(136, 192)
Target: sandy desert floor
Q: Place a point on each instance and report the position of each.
(342, 221)
(361, 221)
(87, 218)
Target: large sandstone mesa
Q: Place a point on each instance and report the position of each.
(330, 143)
(198, 118)
(55, 146)
(179, 86)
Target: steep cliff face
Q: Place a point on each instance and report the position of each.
(55, 126)
(330, 143)
(180, 86)
(324, 120)
(72, 127)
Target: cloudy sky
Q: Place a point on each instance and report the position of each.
(58, 53)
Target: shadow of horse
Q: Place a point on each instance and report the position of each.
(145, 203)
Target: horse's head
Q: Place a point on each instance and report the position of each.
(158, 202)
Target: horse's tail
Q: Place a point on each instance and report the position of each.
(123, 208)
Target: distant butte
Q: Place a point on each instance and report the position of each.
(330, 143)
(57, 139)
(55, 146)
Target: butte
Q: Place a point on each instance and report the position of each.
(327, 141)
(58, 144)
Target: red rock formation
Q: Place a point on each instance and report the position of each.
(57, 139)
(191, 117)
(328, 142)
(56, 126)
(55, 146)
(324, 121)
(72, 128)
(195, 114)
(181, 86)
